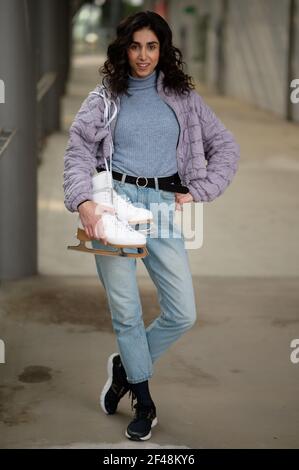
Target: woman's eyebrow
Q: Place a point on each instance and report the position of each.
(150, 42)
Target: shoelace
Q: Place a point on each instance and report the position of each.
(143, 412)
(122, 223)
(124, 197)
(149, 230)
(119, 392)
(140, 410)
(105, 196)
(133, 398)
(108, 102)
(145, 230)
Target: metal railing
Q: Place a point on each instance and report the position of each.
(6, 137)
(44, 84)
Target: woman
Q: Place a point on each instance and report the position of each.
(163, 129)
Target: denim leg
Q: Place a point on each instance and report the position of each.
(168, 267)
(118, 276)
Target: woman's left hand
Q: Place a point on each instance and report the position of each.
(181, 199)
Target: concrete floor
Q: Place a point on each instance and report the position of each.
(228, 382)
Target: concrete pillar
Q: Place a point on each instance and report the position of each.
(221, 47)
(291, 63)
(18, 168)
(65, 42)
(49, 27)
(34, 6)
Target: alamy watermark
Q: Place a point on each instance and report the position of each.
(2, 352)
(2, 92)
(294, 356)
(168, 222)
(294, 96)
(168, 219)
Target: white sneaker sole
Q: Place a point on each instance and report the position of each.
(145, 438)
(108, 383)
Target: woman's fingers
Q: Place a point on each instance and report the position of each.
(183, 198)
(99, 227)
(101, 208)
(88, 231)
(99, 232)
(178, 202)
(95, 229)
(178, 206)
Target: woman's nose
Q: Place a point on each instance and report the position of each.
(142, 54)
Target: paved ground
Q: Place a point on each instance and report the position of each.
(229, 381)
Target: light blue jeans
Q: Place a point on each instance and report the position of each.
(168, 266)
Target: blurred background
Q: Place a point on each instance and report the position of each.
(234, 366)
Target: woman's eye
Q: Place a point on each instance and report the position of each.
(134, 46)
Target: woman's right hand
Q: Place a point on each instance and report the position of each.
(91, 214)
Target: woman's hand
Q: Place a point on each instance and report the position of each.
(91, 214)
(181, 199)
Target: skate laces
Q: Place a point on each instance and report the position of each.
(123, 224)
(105, 196)
(149, 230)
(133, 398)
(124, 197)
(127, 226)
(141, 411)
(145, 231)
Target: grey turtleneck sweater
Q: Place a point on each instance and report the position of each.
(146, 132)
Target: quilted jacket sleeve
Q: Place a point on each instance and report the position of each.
(222, 154)
(80, 158)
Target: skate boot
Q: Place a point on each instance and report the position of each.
(119, 235)
(104, 193)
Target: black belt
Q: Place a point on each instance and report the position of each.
(166, 183)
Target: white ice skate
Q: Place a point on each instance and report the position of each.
(104, 193)
(119, 235)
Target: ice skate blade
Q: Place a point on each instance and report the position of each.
(83, 238)
(141, 251)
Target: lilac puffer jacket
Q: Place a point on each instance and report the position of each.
(207, 153)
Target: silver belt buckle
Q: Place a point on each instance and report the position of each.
(142, 177)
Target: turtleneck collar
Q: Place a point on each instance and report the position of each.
(135, 83)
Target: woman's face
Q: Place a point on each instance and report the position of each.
(144, 49)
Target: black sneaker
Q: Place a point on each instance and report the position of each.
(145, 419)
(115, 387)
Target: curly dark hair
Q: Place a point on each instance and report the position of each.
(116, 67)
